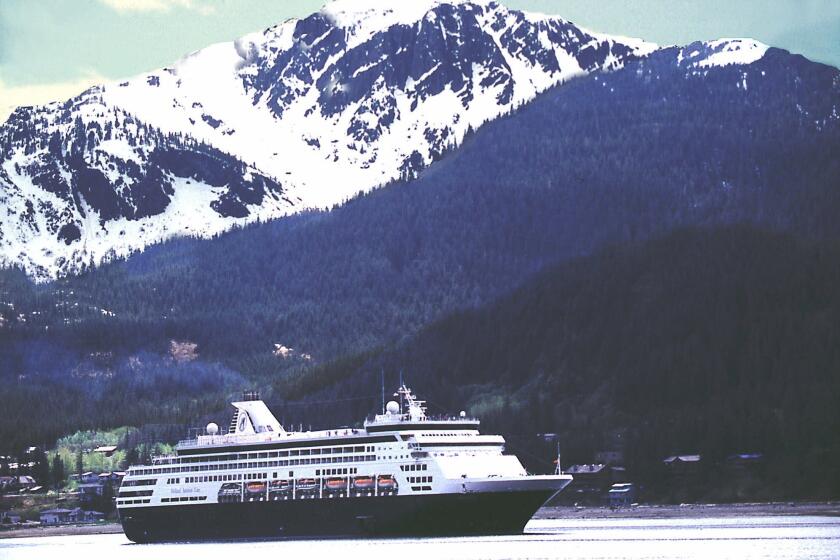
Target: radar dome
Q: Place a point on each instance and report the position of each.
(463, 414)
(392, 407)
(212, 428)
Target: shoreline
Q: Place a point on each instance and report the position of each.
(61, 530)
(685, 511)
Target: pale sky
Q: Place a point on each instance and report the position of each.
(53, 49)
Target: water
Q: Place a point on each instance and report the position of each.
(709, 538)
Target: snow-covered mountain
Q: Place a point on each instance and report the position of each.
(302, 115)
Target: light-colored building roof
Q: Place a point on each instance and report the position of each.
(621, 488)
(746, 457)
(105, 449)
(586, 469)
(682, 459)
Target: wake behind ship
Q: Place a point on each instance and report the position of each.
(404, 473)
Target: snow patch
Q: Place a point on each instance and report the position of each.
(211, 96)
(733, 51)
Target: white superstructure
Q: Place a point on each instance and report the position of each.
(400, 452)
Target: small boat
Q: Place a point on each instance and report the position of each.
(306, 484)
(386, 482)
(335, 484)
(230, 493)
(255, 487)
(280, 486)
(364, 483)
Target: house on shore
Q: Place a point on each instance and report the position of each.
(9, 518)
(106, 450)
(95, 485)
(58, 516)
(590, 482)
(623, 494)
(683, 466)
(22, 483)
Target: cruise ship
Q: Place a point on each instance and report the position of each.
(403, 473)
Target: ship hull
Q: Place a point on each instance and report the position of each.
(435, 514)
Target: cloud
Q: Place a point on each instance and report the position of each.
(40, 94)
(127, 6)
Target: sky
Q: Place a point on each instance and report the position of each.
(53, 49)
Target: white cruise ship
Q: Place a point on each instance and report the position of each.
(404, 473)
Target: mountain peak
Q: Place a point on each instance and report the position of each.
(305, 114)
(346, 12)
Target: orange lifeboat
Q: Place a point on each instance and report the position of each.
(255, 487)
(335, 484)
(386, 481)
(364, 483)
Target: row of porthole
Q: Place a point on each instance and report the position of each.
(416, 479)
(185, 499)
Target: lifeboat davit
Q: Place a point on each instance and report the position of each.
(306, 484)
(280, 485)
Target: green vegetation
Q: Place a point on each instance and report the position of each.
(713, 340)
(74, 454)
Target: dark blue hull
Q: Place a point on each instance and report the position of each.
(440, 514)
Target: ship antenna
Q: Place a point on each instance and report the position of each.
(401, 391)
(382, 376)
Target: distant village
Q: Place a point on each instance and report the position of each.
(606, 482)
(34, 492)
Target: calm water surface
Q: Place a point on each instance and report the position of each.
(712, 538)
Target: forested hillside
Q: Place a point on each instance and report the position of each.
(716, 341)
(586, 165)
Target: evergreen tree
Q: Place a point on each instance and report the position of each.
(58, 475)
(41, 470)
